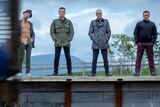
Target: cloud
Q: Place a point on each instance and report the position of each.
(86, 11)
(122, 16)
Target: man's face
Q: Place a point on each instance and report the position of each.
(99, 15)
(62, 13)
(146, 16)
(26, 15)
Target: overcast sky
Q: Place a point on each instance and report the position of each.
(122, 16)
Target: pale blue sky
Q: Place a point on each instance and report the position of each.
(122, 15)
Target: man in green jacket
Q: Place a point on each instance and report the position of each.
(62, 32)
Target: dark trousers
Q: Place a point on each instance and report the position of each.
(21, 53)
(105, 60)
(140, 50)
(57, 56)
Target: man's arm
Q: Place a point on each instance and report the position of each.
(71, 31)
(136, 32)
(32, 33)
(91, 31)
(52, 31)
(154, 34)
(108, 31)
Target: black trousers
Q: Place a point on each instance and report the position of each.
(105, 60)
(57, 56)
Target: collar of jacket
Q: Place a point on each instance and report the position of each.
(146, 21)
(97, 20)
(62, 20)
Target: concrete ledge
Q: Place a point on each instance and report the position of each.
(84, 78)
(99, 91)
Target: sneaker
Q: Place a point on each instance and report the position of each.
(28, 75)
(19, 74)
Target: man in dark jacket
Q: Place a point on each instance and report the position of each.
(145, 35)
(99, 32)
(26, 41)
(62, 32)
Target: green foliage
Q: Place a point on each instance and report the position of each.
(157, 49)
(125, 45)
(145, 71)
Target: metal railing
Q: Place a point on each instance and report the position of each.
(84, 67)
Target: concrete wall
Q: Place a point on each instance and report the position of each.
(94, 93)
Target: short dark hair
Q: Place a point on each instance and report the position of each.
(62, 8)
(146, 11)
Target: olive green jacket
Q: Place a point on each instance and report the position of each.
(62, 33)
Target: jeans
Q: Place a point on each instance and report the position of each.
(57, 56)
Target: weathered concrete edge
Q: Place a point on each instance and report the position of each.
(84, 78)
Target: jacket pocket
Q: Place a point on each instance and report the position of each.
(67, 29)
(57, 29)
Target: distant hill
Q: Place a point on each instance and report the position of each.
(49, 58)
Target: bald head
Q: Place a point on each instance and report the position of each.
(99, 13)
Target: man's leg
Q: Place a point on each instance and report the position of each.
(28, 57)
(150, 55)
(21, 52)
(94, 61)
(105, 60)
(68, 59)
(56, 59)
(140, 51)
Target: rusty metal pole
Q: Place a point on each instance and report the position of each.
(118, 93)
(68, 93)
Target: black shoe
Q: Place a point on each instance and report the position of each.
(136, 74)
(108, 75)
(55, 74)
(92, 75)
(70, 74)
(153, 74)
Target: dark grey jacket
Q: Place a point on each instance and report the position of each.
(32, 34)
(100, 33)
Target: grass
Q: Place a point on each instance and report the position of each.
(116, 72)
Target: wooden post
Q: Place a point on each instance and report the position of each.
(68, 93)
(118, 93)
(121, 66)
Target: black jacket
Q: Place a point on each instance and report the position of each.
(32, 34)
(145, 31)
